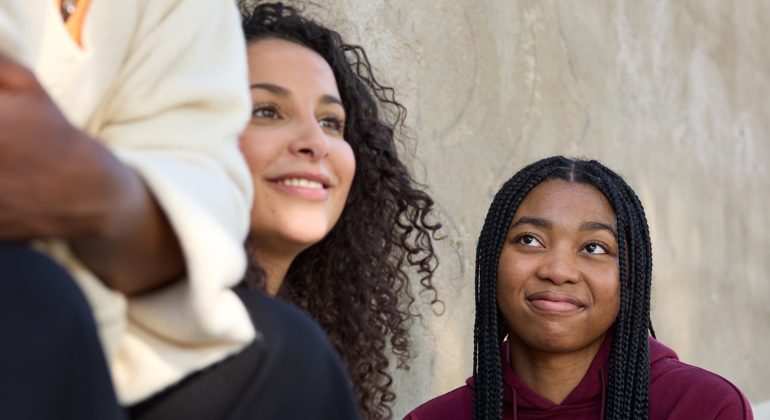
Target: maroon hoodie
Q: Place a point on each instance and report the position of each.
(677, 391)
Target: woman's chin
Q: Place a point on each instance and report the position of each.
(290, 229)
(304, 236)
(306, 240)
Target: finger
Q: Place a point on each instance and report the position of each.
(14, 76)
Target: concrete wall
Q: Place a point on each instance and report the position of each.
(674, 95)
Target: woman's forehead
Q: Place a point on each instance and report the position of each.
(291, 66)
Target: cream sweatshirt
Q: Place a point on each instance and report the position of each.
(164, 85)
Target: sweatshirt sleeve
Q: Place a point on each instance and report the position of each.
(164, 85)
(180, 102)
(21, 29)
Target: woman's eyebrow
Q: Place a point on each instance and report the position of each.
(329, 99)
(591, 226)
(534, 221)
(272, 89)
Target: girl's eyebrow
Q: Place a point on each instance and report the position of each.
(546, 224)
(591, 226)
(534, 221)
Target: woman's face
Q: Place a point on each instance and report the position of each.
(558, 281)
(301, 165)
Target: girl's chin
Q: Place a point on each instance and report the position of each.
(561, 341)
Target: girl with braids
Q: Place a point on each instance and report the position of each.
(563, 269)
(337, 220)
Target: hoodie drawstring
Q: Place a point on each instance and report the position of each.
(515, 407)
(601, 375)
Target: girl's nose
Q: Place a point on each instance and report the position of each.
(559, 267)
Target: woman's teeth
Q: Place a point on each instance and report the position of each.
(299, 182)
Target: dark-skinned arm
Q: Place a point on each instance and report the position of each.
(57, 182)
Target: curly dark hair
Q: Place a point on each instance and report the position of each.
(355, 282)
(629, 370)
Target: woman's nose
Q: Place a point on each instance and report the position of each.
(311, 141)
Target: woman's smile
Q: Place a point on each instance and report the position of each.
(308, 185)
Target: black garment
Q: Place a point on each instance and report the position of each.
(51, 361)
(290, 372)
(52, 365)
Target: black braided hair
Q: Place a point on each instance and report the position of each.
(629, 372)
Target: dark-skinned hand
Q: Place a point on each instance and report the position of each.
(57, 182)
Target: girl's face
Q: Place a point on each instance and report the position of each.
(558, 281)
(301, 165)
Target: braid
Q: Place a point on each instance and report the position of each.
(628, 395)
(488, 334)
(629, 379)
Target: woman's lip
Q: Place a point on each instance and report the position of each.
(554, 302)
(312, 194)
(310, 176)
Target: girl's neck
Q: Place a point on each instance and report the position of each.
(553, 376)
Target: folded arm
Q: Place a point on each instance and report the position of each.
(56, 181)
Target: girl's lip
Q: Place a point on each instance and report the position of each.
(554, 301)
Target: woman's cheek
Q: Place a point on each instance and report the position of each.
(347, 163)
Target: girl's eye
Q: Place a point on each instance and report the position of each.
(331, 123)
(529, 240)
(594, 249)
(265, 111)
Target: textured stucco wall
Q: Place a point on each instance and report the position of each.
(674, 95)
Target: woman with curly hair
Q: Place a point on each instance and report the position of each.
(337, 219)
(564, 272)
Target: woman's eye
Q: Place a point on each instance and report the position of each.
(270, 112)
(529, 241)
(594, 249)
(331, 123)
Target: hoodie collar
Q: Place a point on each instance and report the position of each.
(592, 388)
